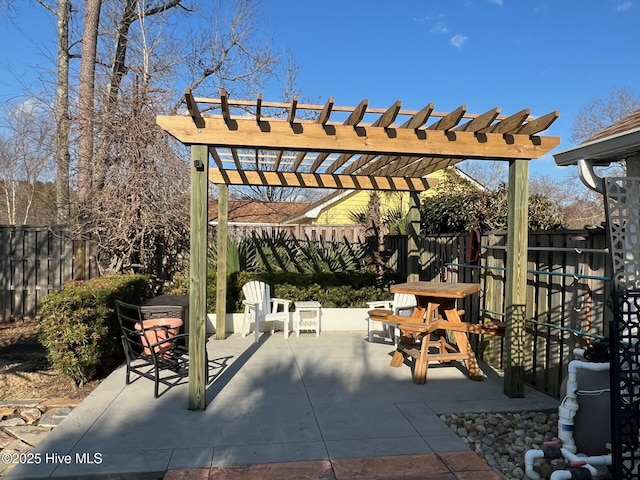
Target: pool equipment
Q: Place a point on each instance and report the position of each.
(581, 465)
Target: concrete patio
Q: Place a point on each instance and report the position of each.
(303, 399)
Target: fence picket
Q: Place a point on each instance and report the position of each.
(33, 262)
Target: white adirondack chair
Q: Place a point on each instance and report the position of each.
(260, 307)
(402, 304)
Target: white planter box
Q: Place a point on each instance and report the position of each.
(332, 319)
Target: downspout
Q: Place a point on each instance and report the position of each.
(589, 177)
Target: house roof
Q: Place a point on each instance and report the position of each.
(614, 143)
(255, 211)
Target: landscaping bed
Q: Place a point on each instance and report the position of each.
(25, 371)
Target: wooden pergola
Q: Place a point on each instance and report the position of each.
(260, 143)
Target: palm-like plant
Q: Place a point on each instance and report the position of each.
(240, 256)
(275, 252)
(396, 220)
(322, 256)
(282, 252)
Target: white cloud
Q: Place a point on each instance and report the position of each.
(542, 8)
(624, 6)
(439, 28)
(458, 40)
(426, 18)
(497, 2)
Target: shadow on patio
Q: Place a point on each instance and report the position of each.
(326, 398)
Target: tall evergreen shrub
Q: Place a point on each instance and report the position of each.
(80, 329)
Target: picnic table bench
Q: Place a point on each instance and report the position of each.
(436, 312)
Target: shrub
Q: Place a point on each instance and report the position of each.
(180, 286)
(342, 296)
(333, 290)
(80, 329)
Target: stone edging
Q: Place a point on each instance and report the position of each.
(24, 423)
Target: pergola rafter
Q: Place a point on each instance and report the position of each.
(291, 144)
(375, 149)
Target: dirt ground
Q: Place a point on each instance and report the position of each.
(25, 371)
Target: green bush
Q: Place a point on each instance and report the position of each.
(332, 290)
(342, 296)
(180, 286)
(80, 329)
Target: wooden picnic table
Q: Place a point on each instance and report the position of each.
(435, 314)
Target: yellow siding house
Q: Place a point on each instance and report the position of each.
(335, 208)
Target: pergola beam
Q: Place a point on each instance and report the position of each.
(320, 180)
(280, 135)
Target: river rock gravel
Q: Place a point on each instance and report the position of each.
(503, 438)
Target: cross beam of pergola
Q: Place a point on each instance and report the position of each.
(290, 144)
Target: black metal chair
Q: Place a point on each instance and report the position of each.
(151, 347)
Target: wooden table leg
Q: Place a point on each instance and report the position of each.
(421, 365)
(462, 340)
(398, 357)
(405, 340)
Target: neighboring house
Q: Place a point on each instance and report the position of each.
(336, 208)
(246, 216)
(256, 212)
(329, 218)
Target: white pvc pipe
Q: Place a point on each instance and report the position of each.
(561, 475)
(566, 413)
(594, 460)
(588, 176)
(529, 458)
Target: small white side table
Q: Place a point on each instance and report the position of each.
(307, 316)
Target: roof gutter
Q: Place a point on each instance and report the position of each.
(600, 152)
(603, 151)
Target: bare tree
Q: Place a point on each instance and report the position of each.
(86, 100)
(26, 152)
(229, 51)
(63, 119)
(62, 11)
(140, 212)
(140, 215)
(489, 174)
(125, 16)
(603, 112)
(134, 64)
(577, 205)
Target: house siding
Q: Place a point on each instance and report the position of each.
(338, 213)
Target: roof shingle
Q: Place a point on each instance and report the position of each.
(255, 211)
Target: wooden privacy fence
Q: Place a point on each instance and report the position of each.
(340, 233)
(37, 260)
(567, 292)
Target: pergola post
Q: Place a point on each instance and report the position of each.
(516, 277)
(198, 277)
(221, 279)
(413, 250)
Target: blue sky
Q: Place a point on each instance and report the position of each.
(515, 54)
